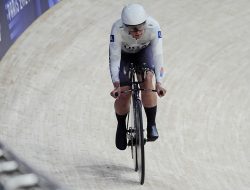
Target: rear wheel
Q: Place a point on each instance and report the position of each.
(132, 138)
(133, 148)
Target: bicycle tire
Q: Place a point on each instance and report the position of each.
(140, 154)
(132, 136)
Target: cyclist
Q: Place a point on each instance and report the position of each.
(135, 38)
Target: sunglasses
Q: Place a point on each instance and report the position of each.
(136, 28)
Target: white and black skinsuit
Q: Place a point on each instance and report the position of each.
(122, 42)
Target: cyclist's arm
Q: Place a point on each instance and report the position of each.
(158, 55)
(115, 54)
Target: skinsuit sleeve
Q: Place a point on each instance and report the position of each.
(158, 53)
(115, 52)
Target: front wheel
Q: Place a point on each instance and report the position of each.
(139, 141)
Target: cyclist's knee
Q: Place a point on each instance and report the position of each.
(124, 97)
(123, 102)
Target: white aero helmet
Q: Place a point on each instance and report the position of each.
(133, 14)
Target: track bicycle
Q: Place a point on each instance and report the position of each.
(135, 131)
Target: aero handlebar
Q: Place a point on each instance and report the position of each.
(141, 89)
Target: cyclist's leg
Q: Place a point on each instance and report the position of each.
(150, 105)
(122, 106)
(121, 109)
(149, 100)
(123, 102)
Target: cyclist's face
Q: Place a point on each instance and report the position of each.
(136, 33)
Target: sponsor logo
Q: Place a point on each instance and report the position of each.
(159, 34)
(136, 47)
(13, 7)
(112, 38)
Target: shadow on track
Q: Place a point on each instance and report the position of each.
(109, 172)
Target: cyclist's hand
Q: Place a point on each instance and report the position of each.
(160, 90)
(117, 90)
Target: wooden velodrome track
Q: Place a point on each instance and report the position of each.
(56, 112)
